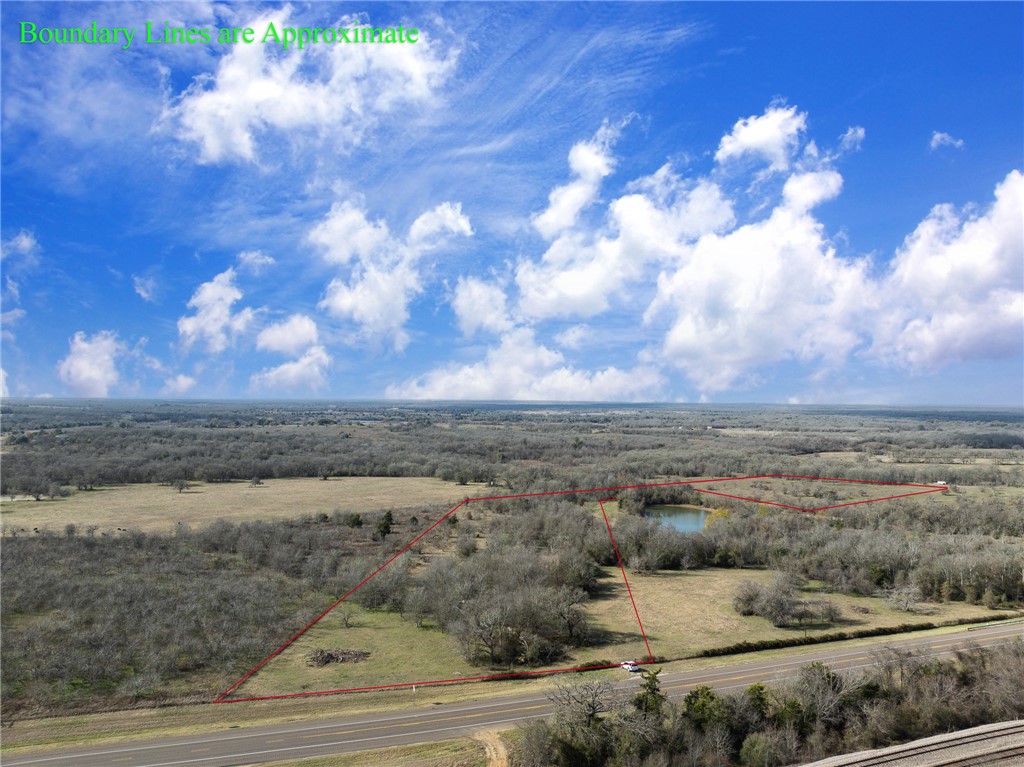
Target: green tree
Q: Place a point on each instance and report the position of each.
(650, 698)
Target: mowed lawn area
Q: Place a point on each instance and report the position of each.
(158, 508)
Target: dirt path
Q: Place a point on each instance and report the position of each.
(497, 755)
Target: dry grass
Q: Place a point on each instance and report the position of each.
(402, 653)
(687, 612)
(463, 752)
(157, 508)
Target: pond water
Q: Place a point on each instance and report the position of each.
(682, 518)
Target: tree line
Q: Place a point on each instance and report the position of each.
(902, 696)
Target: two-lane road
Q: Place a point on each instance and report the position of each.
(441, 722)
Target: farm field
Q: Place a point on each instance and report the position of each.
(158, 508)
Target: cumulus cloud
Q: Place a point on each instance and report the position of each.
(480, 305)
(383, 270)
(306, 374)
(144, 286)
(178, 385)
(435, 226)
(519, 368)
(254, 261)
(335, 92)
(773, 137)
(940, 139)
(214, 323)
(590, 161)
(582, 271)
(759, 294)
(4, 391)
(288, 337)
(90, 368)
(956, 287)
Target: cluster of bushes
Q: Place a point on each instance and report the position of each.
(822, 712)
(778, 603)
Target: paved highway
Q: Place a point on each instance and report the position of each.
(295, 740)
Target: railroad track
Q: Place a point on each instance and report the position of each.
(1010, 754)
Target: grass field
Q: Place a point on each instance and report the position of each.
(157, 508)
(683, 614)
(402, 653)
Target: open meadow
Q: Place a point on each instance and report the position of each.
(157, 508)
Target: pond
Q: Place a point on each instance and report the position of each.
(687, 519)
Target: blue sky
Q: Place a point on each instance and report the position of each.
(799, 202)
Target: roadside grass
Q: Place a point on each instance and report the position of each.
(462, 752)
(158, 508)
(139, 724)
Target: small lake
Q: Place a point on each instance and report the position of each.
(686, 519)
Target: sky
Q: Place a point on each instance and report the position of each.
(655, 202)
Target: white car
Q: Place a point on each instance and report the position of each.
(630, 665)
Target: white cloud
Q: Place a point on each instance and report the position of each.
(581, 272)
(213, 321)
(306, 374)
(480, 305)
(90, 368)
(178, 385)
(254, 261)
(521, 369)
(335, 92)
(377, 299)
(7, 320)
(384, 273)
(574, 337)
(435, 226)
(288, 337)
(760, 294)
(19, 256)
(24, 247)
(853, 138)
(345, 233)
(144, 286)
(773, 137)
(803, 191)
(4, 391)
(940, 139)
(590, 161)
(956, 288)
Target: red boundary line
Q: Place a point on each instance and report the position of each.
(221, 698)
(622, 567)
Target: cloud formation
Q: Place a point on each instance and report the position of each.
(306, 375)
(336, 92)
(940, 139)
(519, 368)
(288, 337)
(90, 368)
(383, 271)
(214, 323)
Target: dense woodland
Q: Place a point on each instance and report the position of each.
(121, 619)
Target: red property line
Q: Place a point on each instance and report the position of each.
(279, 650)
(615, 546)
